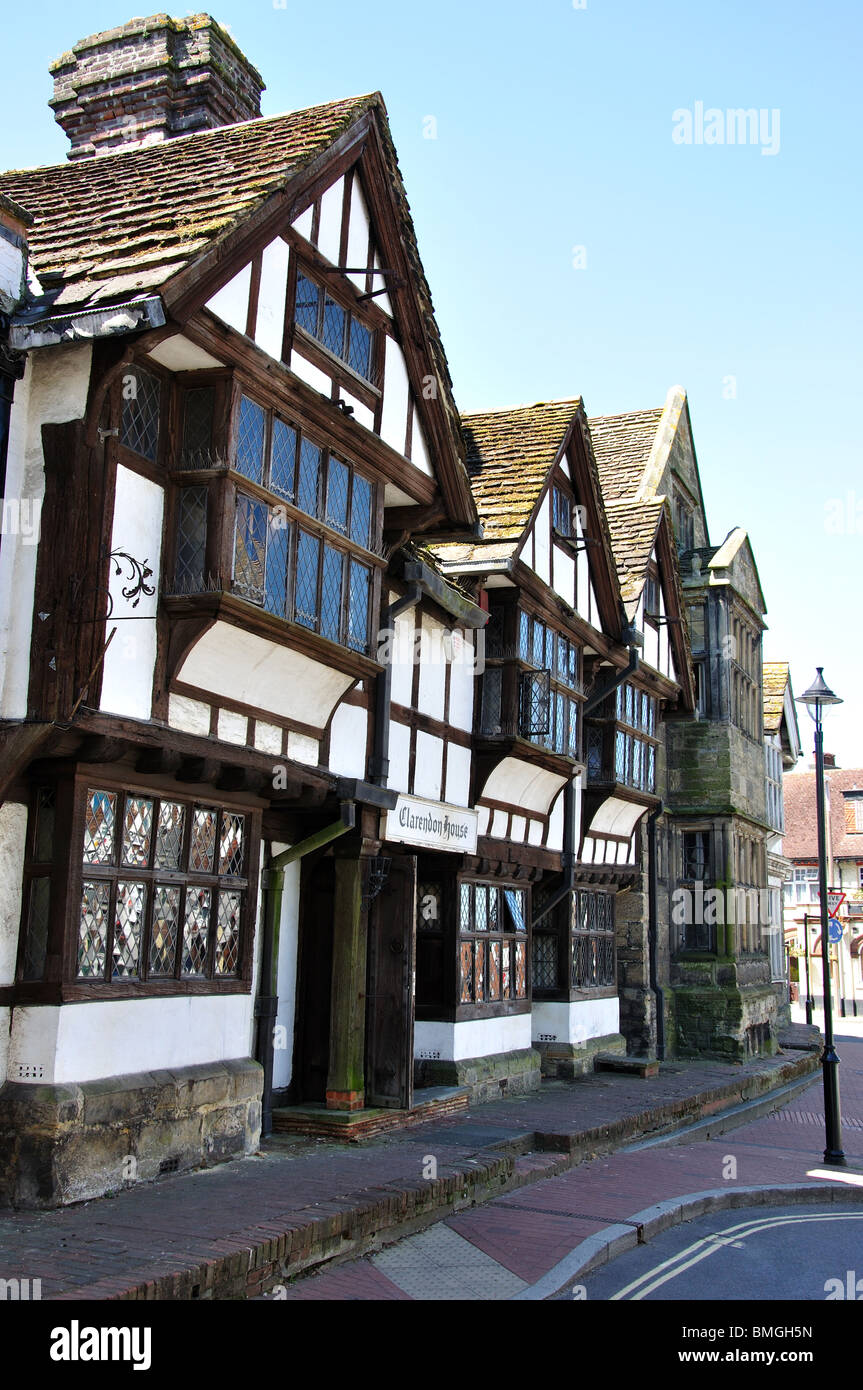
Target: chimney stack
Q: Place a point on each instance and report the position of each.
(149, 80)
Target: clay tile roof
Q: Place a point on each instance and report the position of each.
(509, 455)
(633, 527)
(622, 445)
(774, 683)
(801, 840)
(126, 222)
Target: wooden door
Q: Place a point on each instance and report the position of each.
(314, 983)
(390, 1014)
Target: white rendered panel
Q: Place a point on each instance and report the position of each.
(330, 229)
(303, 223)
(394, 417)
(270, 326)
(462, 681)
(478, 1037)
(457, 775)
(249, 670)
(541, 541)
(432, 683)
(231, 302)
(428, 766)
(192, 716)
(575, 1023)
(283, 1038)
(420, 455)
(358, 234)
(401, 652)
(348, 737)
(127, 680)
(312, 375)
(555, 825)
(400, 750)
(13, 830)
(522, 784)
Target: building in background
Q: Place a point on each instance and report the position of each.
(844, 798)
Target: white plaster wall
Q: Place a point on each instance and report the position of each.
(400, 748)
(394, 417)
(564, 575)
(192, 716)
(11, 274)
(82, 1042)
(420, 456)
(541, 539)
(383, 301)
(303, 223)
(402, 657)
(428, 767)
(519, 827)
(457, 775)
(311, 374)
(523, 785)
(330, 230)
(13, 831)
(432, 684)
(231, 302)
(268, 738)
(358, 234)
(5, 1015)
(303, 749)
(348, 737)
(52, 391)
(499, 824)
(286, 979)
(576, 1022)
(270, 325)
(462, 682)
(362, 414)
(479, 1037)
(534, 832)
(233, 727)
(249, 670)
(483, 818)
(127, 681)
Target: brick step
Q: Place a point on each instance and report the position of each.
(438, 1103)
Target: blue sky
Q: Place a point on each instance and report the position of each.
(729, 270)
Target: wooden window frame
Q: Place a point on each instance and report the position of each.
(490, 1008)
(312, 345)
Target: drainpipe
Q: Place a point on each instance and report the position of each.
(380, 761)
(267, 1002)
(652, 934)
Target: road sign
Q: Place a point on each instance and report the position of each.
(835, 899)
(835, 929)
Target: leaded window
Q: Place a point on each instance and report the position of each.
(163, 889)
(492, 945)
(342, 333)
(548, 713)
(592, 940)
(141, 394)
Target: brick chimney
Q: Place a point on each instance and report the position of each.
(149, 80)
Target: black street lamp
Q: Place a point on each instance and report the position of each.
(815, 698)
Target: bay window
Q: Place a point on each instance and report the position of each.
(492, 945)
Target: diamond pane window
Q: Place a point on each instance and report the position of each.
(139, 422)
(231, 845)
(479, 970)
(360, 349)
(506, 970)
(276, 571)
(227, 954)
(202, 849)
(38, 918)
(544, 961)
(466, 955)
(337, 496)
(515, 910)
(358, 609)
(196, 931)
(169, 835)
(333, 330)
(306, 600)
(92, 930)
(520, 970)
(129, 915)
(99, 827)
(535, 704)
(480, 909)
(191, 540)
(490, 718)
(332, 579)
(524, 636)
(163, 937)
(283, 460)
(308, 304)
(464, 907)
(494, 923)
(43, 847)
(198, 410)
(308, 496)
(137, 829)
(493, 990)
(560, 729)
(573, 729)
(361, 511)
(250, 440)
(250, 547)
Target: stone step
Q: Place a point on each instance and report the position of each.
(631, 1066)
(435, 1103)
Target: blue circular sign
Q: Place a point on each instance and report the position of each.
(835, 929)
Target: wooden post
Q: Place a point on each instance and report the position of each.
(345, 1080)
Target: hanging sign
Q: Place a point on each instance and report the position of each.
(431, 825)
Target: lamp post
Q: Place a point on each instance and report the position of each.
(809, 1001)
(815, 698)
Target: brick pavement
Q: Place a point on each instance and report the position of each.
(240, 1229)
(529, 1231)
